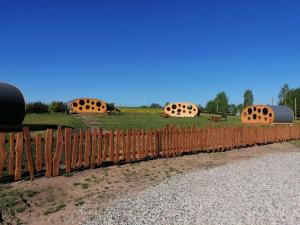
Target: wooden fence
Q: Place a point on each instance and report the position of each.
(55, 152)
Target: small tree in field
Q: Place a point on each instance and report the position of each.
(248, 98)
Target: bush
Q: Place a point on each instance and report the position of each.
(155, 105)
(37, 107)
(58, 107)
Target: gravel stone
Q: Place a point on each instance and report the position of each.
(263, 190)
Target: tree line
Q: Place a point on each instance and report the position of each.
(220, 104)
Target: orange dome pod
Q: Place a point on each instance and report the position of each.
(87, 105)
(265, 114)
(182, 109)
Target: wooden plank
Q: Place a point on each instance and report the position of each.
(28, 151)
(157, 142)
(117, 147)
(2, 152)
(94, 148)
(19, 151)
(38, 153)
(58, 152)
(111, 146)
(74, 151)
(105, 147)
(87, 149)
(80, 146)
(100, 142)
(150, 143)
(48, 152)
(139, 148)
(143, 143)
(68, 149)
(133, 153)
(123, 145)
(11, 154)
(128, 140)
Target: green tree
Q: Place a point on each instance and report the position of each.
(233, 109)
(282, 94)
(291, 95)
(211, 106)
(155, 105)
(248, 98)
(222, 102)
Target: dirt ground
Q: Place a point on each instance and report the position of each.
(57, 199)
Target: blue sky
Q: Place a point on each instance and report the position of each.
(139, 52)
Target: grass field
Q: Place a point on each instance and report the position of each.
(145, 118)
(54, 119)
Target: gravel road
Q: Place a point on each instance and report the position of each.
(263, 190)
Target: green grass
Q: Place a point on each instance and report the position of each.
(54, 209)
(147, 118)
(142, 118)
(54, 119)
(14, 199)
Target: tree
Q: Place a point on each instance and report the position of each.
(155, 105)
(290, 99)
(248, 98)
(233, 109)
(211, 106)
(282, 94)
(240, 108)
(222, 102)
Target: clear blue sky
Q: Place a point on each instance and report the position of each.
(139, 52)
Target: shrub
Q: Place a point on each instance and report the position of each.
(37, 107)
(58, 107)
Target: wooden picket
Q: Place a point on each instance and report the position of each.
(92, 148)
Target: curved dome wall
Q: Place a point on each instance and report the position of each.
(87, 105)
(12, 110)
(266, 114)
(182, 109)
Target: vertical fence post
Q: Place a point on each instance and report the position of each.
(68, 149)
(80, 146)
(139, 148)
(74, 151)
(2, 152)
(58, 151)
(100, 140)
(11, 154)
(38, 153)
(94, 148)
(111, 146)
(48, 152)
(19, 151)
(128, 138)
(28, 151)
(117, 148)
(133, 153)
(87, 152)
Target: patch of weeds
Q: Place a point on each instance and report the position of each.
(30, 193)
(84, 186)
(16, 200)
(94, 177)
(54, 209)
(297, 142)
(68, 174)
(76, 183)
(79, 202)
(87, 179)
(20, 208)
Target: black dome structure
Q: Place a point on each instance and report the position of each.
(12, 105)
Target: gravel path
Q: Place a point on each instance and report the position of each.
(262, 190)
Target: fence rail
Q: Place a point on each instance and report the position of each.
(64, 150)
